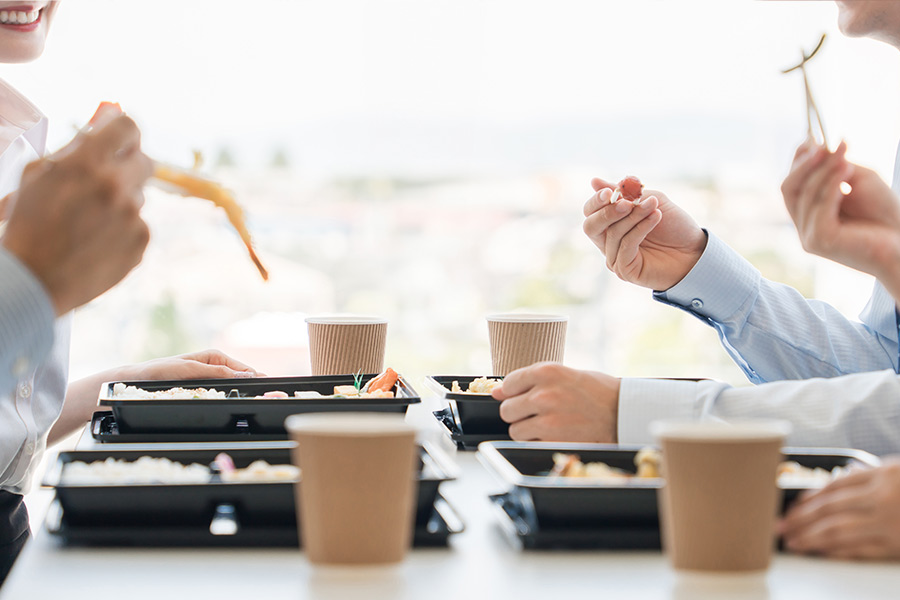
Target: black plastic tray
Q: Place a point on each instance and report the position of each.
(463, 441)
(105, 429)
(434, 531)
(255, 505)
(560, 503)
(474, 414)
(515, 524)
(241, 415)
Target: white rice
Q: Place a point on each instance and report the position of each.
(144, 470)
(130, 392)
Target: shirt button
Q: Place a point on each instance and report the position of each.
(24, 390)
(20, 366)
(29, 448)
(696, 303)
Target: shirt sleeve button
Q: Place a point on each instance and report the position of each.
(24, 390)
(696, 303)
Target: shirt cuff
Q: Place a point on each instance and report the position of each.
(26, 319)
(642, 401)
(718, 286)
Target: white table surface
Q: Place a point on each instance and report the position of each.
(480, 562)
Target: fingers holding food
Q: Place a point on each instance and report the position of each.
(629, 188)
(624, 238)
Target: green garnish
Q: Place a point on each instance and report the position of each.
(357, 380)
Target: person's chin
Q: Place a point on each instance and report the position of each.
(847, 23)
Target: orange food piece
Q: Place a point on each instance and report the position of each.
(191, 185)
(103, 106)
(384, 382)
(630, 188)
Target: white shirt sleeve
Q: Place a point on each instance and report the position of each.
(852, 411)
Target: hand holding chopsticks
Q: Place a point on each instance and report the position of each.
(188, 184)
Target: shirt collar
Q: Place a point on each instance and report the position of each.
(20, 118)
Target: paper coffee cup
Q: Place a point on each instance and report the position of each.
(355, 497)
(342, 344)
(720, 498)
(518, 340)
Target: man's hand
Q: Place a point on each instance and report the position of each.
(860, 229)
(75, 220)
(854, 516)
(550, 402)
(653, 243)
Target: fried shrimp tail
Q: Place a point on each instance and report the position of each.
(190, 185)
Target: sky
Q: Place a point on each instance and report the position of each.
(330, 80)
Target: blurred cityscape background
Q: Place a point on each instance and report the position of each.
(428, 161)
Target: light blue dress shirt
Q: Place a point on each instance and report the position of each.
(834, 378)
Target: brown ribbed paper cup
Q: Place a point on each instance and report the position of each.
(355, 497)
(720, 499)
(341, 344)
(519, 340)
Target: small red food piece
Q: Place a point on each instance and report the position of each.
(104, 106)
(630, 188)
(385, 381)
(224, 462)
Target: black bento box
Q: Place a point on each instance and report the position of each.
(178, 514)
(546, 511)
(469, 418)
(240, 415)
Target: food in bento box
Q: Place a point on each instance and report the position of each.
(647, 461)
(146, 469)
(121, 390)
(258, 470)
(380, 386)
(793, 474)
(481, 385)
(161, 470)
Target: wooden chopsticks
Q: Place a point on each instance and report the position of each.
(811, 108)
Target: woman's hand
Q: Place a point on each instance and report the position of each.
(83, 395)
(855, 516)
(209, 364)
